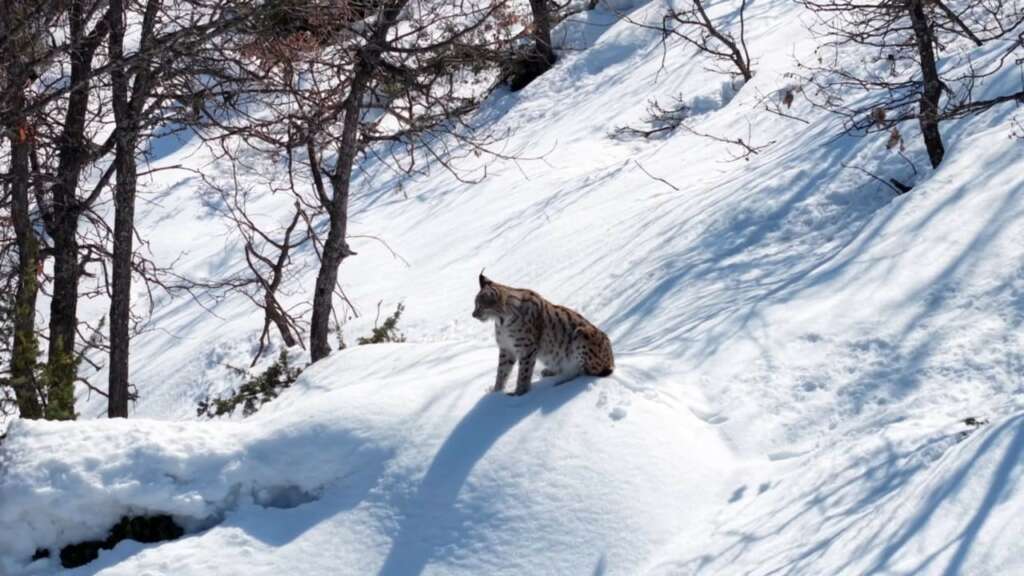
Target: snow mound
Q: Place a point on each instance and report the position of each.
(65, 483)
(404, 471)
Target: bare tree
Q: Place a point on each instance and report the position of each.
(321, 83)
(127, 106)
(147, 88)
(22, 55)
(66, 76)
(907, 82)
(726, 53)
(9, 280)
(330, 84)
(693, 25)
(268, 260)
(269, 273)
(61, 201)
(931, 85)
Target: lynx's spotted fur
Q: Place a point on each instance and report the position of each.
(529, 328)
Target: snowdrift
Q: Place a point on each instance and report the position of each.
(359, 472)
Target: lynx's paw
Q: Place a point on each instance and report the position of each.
(548, 372)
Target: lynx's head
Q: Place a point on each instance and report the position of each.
(490, 300)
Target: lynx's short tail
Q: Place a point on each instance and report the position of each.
(607, 371)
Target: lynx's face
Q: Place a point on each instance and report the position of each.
(488, 304)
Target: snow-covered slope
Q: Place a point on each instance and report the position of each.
(796, 351)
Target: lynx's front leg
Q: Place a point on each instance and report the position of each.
(505, 362)
(526, 362)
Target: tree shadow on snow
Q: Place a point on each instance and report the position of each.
(999, 486)
(430, 520)
(858, 516)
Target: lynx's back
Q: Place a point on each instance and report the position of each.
(568, 339)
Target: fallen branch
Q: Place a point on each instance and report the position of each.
(893, 184)
(658, 178)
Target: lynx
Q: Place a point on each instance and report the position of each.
(529, 328)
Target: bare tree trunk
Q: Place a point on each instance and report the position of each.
(127, 104)
(540, 57)
(25, 349)
(124, 219)
(275, 315)
(336, 248)
(928, 113)
(26, 346)
(60, 370)
(120, 302)
(542, 31)
(334, 253)
(66, 209)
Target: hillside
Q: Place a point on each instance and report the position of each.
(797, 349)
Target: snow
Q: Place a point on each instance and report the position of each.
(796, 351)
(382, 461)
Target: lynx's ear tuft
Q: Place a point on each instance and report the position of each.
(484, 280)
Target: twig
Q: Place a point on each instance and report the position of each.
(901, 189)
(91, 387)
(659, 179)
(396, 255)
(784, 115)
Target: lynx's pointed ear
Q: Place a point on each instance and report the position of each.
(484, 280)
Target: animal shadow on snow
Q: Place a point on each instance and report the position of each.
(492, 416)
